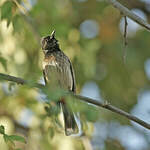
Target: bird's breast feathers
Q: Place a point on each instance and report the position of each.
(57, 71)
(50, 60)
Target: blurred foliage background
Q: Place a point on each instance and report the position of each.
(90, 32)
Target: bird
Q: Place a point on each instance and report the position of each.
(59, 73)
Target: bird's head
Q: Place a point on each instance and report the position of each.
(49, 43)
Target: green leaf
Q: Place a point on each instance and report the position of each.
(53, 94)
(6, 11)
(2, 129)
(92, 113)
(3, 62)
(17, 138)
(51, 132)
(17, 23)
(8, 140)
(52, 110)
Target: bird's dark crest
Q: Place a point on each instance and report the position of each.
(49, 43)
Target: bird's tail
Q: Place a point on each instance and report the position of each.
(69, 120)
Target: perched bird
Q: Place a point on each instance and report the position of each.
(58, 72)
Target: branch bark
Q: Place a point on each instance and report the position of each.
(130, 14)
(105, 105)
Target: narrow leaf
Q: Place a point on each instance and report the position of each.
(2, 129)
(17, 138)
(8, 140)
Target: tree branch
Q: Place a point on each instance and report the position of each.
(105, 105)
(130, 14)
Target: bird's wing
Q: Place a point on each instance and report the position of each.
(73, 77)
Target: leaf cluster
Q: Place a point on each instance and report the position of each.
(11, 139)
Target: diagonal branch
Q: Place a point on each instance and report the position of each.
(82, 98)
(112, 108)
(130, 14)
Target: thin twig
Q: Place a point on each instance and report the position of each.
(125, 31)
(82, 98)
(125, 38)
(130, 14)
(19, 80)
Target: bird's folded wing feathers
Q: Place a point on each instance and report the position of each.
(59, 72)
